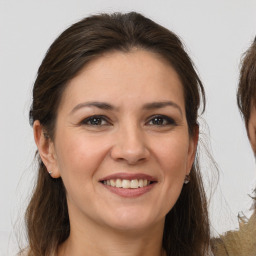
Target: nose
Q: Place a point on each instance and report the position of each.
(130, 146)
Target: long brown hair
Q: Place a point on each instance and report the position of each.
(186, 230)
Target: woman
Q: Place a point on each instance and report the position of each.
(114, 113)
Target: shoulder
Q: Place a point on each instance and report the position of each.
(237, 243)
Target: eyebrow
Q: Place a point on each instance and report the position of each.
(107, 106)
(156, 105)
(100, 105)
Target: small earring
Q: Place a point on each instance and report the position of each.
(187, 179)
(50, 172)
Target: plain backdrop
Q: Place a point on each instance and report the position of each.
(215, 34)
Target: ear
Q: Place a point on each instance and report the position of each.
(193, 141)
(46, 149)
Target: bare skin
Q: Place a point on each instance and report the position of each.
(122, 116)
(252, 128)
(113, 243)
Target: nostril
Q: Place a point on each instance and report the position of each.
(130, 155)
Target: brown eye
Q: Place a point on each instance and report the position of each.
(95, 121)
(157, 121)
(161, 120)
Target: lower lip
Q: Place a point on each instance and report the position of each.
(130, 192)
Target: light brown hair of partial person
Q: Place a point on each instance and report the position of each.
(186, 230)
(246, 93)
(242, 242)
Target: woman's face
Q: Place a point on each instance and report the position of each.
(122, 146)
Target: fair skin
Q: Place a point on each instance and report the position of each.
(122, 149)
(252, 128)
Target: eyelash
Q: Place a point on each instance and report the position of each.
(97, 118)
(164, 121)
(163, 118)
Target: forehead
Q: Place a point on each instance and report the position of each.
(119, 76)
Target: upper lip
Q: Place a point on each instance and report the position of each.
(129, 176)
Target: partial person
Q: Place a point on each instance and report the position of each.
(115, 119)
(243, 241)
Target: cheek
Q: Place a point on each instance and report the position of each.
(252, 137)
(252, 128)
(173, 156)
(79, 159)
(79, 156)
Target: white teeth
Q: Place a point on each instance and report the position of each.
(113, 183)
(141, 183)
(119, 183)
(134, 183)
(126, 184)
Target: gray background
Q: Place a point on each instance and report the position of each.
(215, 33)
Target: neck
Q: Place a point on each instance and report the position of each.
(88, 239)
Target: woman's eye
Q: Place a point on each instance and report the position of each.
(160, 120)
(95, 121)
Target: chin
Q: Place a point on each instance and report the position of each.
(134, 221)
(132, 227)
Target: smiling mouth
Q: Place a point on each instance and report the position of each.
(124, 183)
